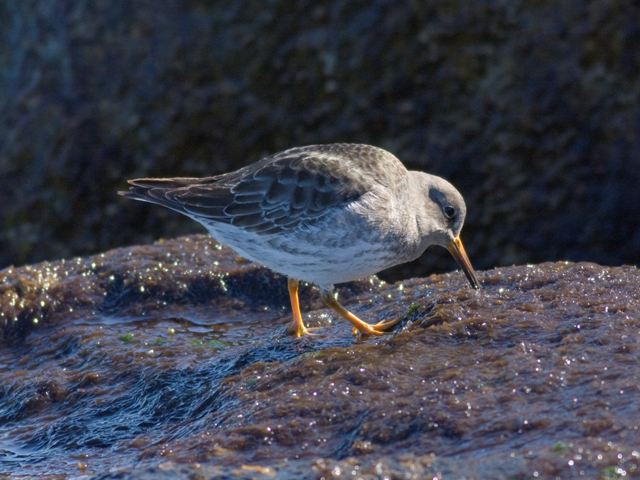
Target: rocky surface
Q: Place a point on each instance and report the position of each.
(171, 359)
(531, 107)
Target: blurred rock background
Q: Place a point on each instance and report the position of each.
(532, 108)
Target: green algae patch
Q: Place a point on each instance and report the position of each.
(127, 337)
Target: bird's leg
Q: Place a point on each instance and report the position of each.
(297, 328)
(358, 325)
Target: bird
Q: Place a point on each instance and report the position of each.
(322, 214)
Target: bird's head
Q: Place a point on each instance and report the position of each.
(441, 218)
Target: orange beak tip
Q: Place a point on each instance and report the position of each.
(456, 248)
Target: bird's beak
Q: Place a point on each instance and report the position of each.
(457, 250)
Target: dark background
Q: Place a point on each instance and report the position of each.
(531, 108)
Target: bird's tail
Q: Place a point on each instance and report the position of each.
(156, 190)
(153, 189)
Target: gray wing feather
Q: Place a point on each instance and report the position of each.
(280, 192)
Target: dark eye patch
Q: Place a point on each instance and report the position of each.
(449, 211)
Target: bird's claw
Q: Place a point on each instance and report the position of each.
(376, 329)
(297, 332)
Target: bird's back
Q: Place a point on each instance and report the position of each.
(280, 191)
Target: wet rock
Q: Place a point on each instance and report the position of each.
(129, 281)
(173, 357)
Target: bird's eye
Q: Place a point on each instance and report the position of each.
(449, 212)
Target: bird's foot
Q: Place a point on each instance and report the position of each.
(296, 327)
(298, 331)
(379, 328)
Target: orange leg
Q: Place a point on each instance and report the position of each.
(358, 325)
(297, 328)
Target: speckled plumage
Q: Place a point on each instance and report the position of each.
(324, 214)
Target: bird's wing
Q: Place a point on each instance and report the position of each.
(278, 193)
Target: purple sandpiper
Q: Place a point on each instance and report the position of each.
(323, 214)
